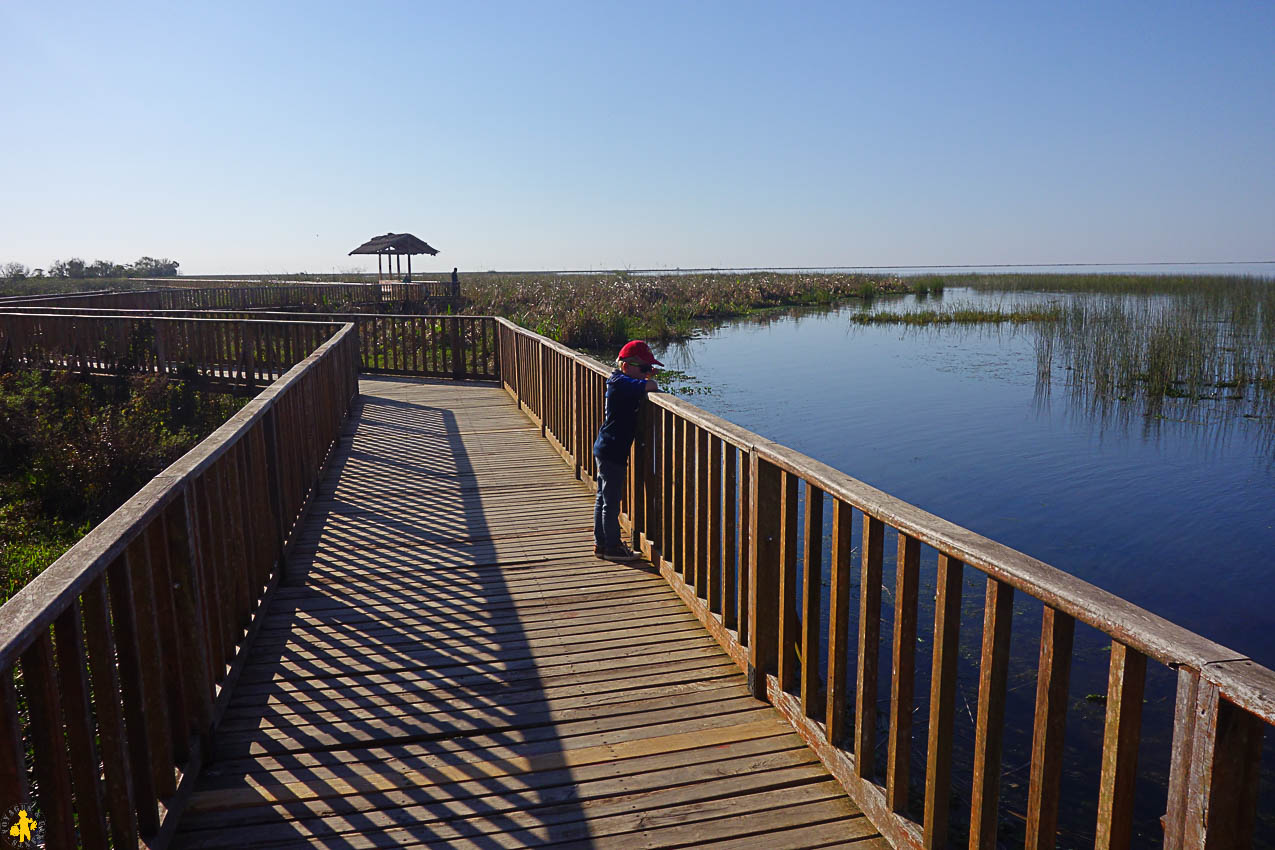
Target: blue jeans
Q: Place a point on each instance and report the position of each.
(606, 510)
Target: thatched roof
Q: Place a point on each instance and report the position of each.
(394, 243)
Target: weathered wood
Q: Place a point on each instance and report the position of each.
(899, 755)
(865, 706)
(745, 543)
(811, 601)
(1053, 677)
(789, 627)
(141, 731)
(13, 773)
(170, 641)
(52, 761)
(1184, 719)
(185, 575)
(117, 776)
(938, 775)
(714, 568)
(1222, 775)
(1120, 739)
(701, 516)
(763, 575)
(729, 543)
(73, 694)
(989, 725)
(838, 620)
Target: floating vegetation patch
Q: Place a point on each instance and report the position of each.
(954, 314)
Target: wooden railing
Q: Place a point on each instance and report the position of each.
(247, 297)
(247, 353)
(736, 523)
(459, 347)
(126, 645)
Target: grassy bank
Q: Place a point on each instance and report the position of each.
(72, 451)
(599, 310)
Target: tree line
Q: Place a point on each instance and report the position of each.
(77, 269)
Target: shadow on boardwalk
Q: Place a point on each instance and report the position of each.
(449, 666)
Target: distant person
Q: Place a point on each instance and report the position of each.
(626, 388)
(455, 280)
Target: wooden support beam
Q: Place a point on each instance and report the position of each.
(1121, 736)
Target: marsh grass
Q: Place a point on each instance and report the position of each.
(1151, 339)
(594, 311)
(958, 314)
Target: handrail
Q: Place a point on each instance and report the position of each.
(147, 611)
(459, 347)
(716, 508)
(223, 297)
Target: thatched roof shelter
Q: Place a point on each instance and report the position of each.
(395, 245)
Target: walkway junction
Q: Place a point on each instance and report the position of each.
(365, 612)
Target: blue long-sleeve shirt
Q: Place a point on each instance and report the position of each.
(619, 418)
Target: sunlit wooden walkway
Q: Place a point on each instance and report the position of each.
(451, 667)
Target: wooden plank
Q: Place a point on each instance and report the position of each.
(701, 517)
(989, 725)
(52, 761)
(745, 543)
(789, 630)
(1221, 800)
(714, 568)
(1053, 674)
(763, 575)
(840, 568)
(1184, 719)
(150, 653)
(938, 775)
(811, 602)
(169, 639)
(73, 694)
(865, 708)
(592, 782)
(899, 754)
(1121, 735)
(729, 544)
(13, 773)
(139, 727)
(117, 777)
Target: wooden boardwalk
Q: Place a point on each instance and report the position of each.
(449, 666)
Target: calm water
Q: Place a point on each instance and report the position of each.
(1173, 514)
(1176, 516)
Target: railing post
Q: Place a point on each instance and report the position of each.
(544, 408)
(458, 355)
(865, 710)
(270, 425)
(13, 773)
(1125, 684)
(763, 573)
(1053, 676)
(938, 775)
(1213, 779)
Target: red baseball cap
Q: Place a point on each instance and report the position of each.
(638, 350)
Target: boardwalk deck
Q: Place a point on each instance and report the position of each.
(449, 666)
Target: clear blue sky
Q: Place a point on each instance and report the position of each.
(271, 137)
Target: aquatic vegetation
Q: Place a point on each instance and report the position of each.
(1135, 338)
(598, 310)
(957, 314)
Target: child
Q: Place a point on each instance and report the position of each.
(626, 388)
